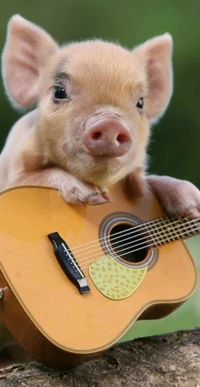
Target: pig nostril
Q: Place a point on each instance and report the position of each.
(122, 138)
(96, 135)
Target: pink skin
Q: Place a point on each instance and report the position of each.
(97, 134)
(179, 197)
(71, 189)
(107, 135)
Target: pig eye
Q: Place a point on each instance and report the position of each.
(140, 103)
(60, 93)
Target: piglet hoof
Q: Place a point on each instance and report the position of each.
(83, 194)
(177, 197)
(184, 200)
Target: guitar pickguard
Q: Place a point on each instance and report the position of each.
(115, 280)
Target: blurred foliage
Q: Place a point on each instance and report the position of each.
(174, 146)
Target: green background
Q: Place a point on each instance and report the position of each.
(175, 141)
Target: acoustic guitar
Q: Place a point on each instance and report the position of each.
(74, 279)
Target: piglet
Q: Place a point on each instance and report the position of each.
(96, 102)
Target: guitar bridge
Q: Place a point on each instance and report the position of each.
(68, 262)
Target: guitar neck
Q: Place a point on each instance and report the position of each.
(168, 229)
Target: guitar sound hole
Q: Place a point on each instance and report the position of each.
(129, 244)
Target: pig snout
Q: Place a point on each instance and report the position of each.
(107, 136)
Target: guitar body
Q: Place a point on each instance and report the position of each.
(45, 311)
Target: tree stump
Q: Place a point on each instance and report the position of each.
(158, 361)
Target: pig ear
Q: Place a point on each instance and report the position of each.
(27, 49)
(155, 57)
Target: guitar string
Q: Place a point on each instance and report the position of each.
(99, 251)
(153, 223)
(142, 238)
(135, 229)
(131, 234)
(142, 246)
(110, 256)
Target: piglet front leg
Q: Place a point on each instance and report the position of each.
(177, 197)
(71, 189)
